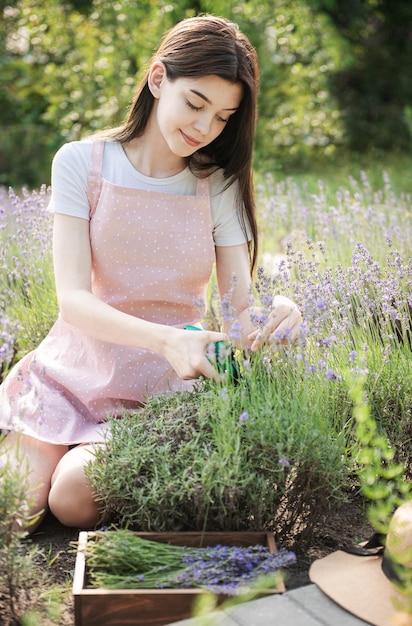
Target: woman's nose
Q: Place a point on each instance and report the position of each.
(203, 124)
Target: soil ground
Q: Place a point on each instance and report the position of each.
(345, 525)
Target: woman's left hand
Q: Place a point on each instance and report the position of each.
(282, 327)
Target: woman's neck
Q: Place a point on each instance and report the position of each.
(152, 158)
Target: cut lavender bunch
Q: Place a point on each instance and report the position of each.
(121, 560)
(227, 570)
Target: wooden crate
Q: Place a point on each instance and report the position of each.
(150, 607)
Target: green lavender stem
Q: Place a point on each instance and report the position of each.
(122, 560)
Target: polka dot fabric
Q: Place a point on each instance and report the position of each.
(152, 256)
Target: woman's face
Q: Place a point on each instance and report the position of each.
(191, 112)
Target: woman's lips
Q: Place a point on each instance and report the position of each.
(189, 140)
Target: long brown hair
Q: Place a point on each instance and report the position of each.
(205, 46)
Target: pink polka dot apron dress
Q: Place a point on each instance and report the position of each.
(152, 256)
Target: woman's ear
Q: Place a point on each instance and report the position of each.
(157, 74)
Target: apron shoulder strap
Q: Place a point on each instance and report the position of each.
(94, 181)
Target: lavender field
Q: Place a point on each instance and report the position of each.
(344, 256)
(27, 297)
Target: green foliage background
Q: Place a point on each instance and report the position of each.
(335, 75)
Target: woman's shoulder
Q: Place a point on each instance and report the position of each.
(74, 153)
(220, 185)
(82, 148)
(75, 156)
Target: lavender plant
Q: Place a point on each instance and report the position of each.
(339, 218)
(27, 296)
(349, 267)
(258, 454)
(15, 567)
(21, 573)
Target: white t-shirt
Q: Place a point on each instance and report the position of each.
(69, 186)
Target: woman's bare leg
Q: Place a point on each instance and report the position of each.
(71, 497)
(35, 461)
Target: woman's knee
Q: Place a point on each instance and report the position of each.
(33, 461)
(71, 497)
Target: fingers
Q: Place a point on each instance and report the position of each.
(203, 355)
(203, 368)
(282, 327)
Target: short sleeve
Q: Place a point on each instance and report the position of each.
(69, 180)
(227, 228)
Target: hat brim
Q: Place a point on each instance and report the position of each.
(357, 584)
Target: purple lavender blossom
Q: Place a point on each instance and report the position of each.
(228, 570)
(283, 461)
(332, 375)
(235, 332)
(243, 417)
(247, 364)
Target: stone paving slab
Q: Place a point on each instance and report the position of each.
(305, 606)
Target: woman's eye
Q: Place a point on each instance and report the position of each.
(192, 106)
(195, 108)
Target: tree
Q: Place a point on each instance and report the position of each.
(70, 68)
(20, 99)
(67, 69)
(374, 86)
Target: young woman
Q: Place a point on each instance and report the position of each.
(140, 218)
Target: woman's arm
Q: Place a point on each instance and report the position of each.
(233, 276)
(79, 306)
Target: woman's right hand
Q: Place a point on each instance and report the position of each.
(187, 350)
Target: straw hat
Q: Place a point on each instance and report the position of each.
(363, 579)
